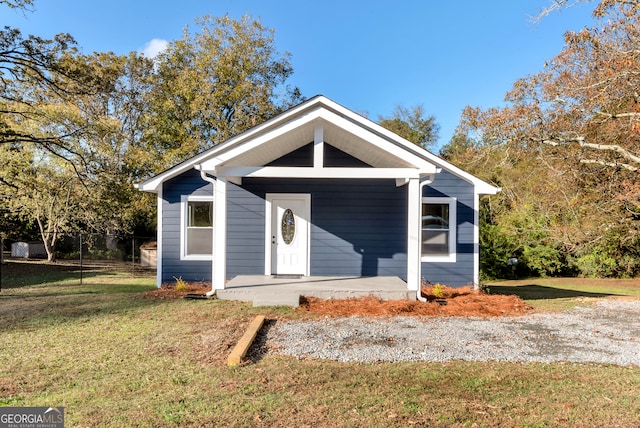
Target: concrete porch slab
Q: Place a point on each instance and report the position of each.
(264, 290)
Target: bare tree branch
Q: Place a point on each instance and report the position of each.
(558, 141)
(611, 164)
(555, 6)
(618, 115)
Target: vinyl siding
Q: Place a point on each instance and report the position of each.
(357, 226)
(245, 231)
(461, 272)
(189, 183)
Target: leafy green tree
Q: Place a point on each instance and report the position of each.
(78, 130)
(98, 194)
(215, 83)
(412, 125)
(45, 192)
(112, 141)
(33, 62)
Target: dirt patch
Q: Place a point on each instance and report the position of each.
(445, 301)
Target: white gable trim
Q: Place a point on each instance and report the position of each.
(313, 109)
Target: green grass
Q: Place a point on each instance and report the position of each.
(23, 273)
(113, 358)
(555, 294)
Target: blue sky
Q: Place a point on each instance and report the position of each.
(366, 55)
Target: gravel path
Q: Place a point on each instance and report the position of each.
(608, 332)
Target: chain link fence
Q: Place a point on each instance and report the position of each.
(78, 257)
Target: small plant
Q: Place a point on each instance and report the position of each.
(438, 291)
(181, 284)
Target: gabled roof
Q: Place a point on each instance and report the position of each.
(341, 127)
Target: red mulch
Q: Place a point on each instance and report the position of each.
(463, 301)
(455, 302)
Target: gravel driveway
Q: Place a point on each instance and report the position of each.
(608, 332)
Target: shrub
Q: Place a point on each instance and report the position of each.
(438, 291)
(543, 260)
(181, 284)
(597, 264)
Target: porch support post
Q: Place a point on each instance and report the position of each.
(413, 234)
(159, 239)
(219, 263)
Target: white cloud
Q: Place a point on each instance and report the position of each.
(154, 47)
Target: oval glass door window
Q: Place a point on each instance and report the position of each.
(288, 226)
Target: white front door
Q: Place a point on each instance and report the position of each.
(289, 233)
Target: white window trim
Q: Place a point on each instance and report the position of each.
(453, 226)
(183, 227)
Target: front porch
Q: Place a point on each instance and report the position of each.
(286, 290)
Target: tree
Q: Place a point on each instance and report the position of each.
(114, 120)
(556, 5)
(18, 4)
(411, 125)
(34, 62)
(44, 192)
(568, 144)
(112, 140)
(214, 84)
(101, 130)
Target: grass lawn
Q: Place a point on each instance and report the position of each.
(114, 358)
(553, 294)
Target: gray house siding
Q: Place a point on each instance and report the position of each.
(358, 227)
(189, 183)
(245, 230)
(333, 157)
(461, 272)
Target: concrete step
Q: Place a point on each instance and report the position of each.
(284, 299)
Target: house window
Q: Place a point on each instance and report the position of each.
(198, 228)
(438, 229)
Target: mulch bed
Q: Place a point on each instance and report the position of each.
(449, 301)
(170, 291)
(463, 301)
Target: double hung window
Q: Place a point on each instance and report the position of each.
(438, 229)
(198, 228)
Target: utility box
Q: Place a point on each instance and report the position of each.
(28, 250)
(149, 254)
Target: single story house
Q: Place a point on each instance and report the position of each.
(318, 191)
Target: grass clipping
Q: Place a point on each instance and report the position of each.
(446, 301)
